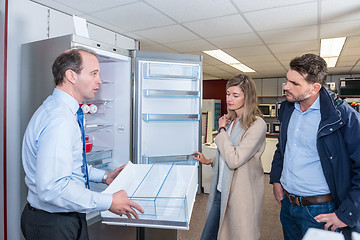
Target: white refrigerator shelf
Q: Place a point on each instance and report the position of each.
(165, 191)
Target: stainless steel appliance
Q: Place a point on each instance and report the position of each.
(268, 110)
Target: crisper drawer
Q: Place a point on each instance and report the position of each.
(165, 191)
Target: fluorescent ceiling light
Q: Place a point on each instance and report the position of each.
(330, 49)
(242, 67)
(331, 61)
(226, 58)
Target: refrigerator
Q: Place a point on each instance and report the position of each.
(147, 114)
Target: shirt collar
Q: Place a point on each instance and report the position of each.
(67, 99)
(314, 106)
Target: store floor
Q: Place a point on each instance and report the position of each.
(270, 228)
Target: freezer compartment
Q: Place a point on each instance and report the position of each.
(165, 191)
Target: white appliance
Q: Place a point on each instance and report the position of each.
(148, 109)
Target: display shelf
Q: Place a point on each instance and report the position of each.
(165, 192)
(98, 154)
(171, 93)
(97, 127)
(169, 71)
(170, 117)
(177, 159)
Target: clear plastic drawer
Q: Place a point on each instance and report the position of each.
(165, 191)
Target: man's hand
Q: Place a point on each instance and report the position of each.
(113, 174)
(331, 221)
(278, 191)
(121, 204)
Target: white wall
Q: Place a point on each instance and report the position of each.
(29, 21)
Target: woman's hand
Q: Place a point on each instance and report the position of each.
(201, 158)
(224, 121)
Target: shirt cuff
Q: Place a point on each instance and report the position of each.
(95, 175)
(103, 201)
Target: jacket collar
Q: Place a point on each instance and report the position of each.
(328, 109)
(330, 117)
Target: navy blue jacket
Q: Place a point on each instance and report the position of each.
(338, 145)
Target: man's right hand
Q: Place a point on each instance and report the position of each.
(278, 192)
(121, 204)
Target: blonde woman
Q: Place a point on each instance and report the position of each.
(237, 190)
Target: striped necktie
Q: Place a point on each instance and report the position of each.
(84, 168)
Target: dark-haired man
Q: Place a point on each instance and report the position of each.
(56, 173)
(316, 167)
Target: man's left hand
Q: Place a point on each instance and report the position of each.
(331, 221)
(113, 174)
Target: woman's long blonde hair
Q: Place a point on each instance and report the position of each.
(251, 109)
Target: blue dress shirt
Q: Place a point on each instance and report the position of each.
(52, 160)
(302, 173)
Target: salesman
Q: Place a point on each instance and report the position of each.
(57, 174)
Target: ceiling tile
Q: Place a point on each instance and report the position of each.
(127, 17)
(210, 60)
(220, 26)
(158, 48)
(339, 70)
(89, 6)
(294, 46)
(247, 6)
(143, 41)
(168, 34)
(234, 41)
(339, 11)
(340, 29)
(352, 41)
(264, 58)
(261, 64)
(238, 53)
(191, 46)
(190, 10)
(283, 17)
(290, 34)
(353, 58)
(209, 77)
(355, 51)
(345, 63)
(287, 56)
(61, 6)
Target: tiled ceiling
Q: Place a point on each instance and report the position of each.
(263, 34)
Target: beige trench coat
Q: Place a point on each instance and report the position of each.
(242, 195)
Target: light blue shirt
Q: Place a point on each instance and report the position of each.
(52, 160)
(302, 173)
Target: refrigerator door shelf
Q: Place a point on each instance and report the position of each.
(170, 117)
(171, 93)
(99, 155)
(165, 192)
(176, 159)
(96, 127)
(165, 71)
